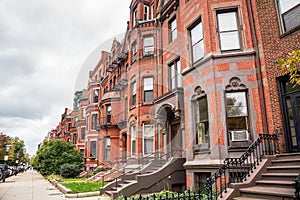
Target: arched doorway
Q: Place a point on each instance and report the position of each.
(168, 122)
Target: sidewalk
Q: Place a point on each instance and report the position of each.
(31, 185)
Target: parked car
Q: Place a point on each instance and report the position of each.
(4, 172)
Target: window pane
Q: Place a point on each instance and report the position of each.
(148, 139)
(148, 83)
(227, 21)
(286, 5)
(133, 140)
(236, 104)
(133, 88)
(196, 33)
(178, 66)
(148, 41)
(237, 123)
(198, 51)
(230, 40)
(148, 96)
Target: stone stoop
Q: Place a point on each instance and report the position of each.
(275, 181)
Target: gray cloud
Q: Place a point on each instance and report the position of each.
(43, 46)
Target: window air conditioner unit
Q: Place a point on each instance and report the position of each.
(240, 135)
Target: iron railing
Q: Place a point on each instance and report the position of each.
(235, 170)
(296, 185)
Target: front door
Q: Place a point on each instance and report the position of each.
(291, 115)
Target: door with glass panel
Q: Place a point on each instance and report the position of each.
(290, 103)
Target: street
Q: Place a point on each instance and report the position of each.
(30, 185)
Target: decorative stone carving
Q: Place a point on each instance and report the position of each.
(235, 84)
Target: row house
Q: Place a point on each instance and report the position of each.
(195, 80)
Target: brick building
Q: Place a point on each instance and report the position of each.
(195, 80)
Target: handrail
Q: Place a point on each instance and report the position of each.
(160, 156)
(235, 170)
(296, 185)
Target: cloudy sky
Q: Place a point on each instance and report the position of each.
(43, 47)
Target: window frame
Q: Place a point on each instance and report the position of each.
(93, 151)
(108, 113)
(201, 40)
(235, 117)
(172, 31)
(134, 17)
(96, 95)
(238, 28)
(133, 93)
(146, 91)
(94, 121)
(151, 52)
(146, 12)
(82, 133)
(151, 136)
(281, 14)
(177, 74)
(198, 120)
(133, 138)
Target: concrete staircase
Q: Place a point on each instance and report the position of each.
(275, 182)
(151, 178)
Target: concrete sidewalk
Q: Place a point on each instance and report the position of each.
(31, 185)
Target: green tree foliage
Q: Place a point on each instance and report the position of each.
(69, 170)
(53, 154)
(291, 66)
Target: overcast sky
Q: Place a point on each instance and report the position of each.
(43, 47)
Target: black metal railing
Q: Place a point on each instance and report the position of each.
(235, 170)
(141, 163)
(296, 185)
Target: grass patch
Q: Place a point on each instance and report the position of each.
(71, 180)
(79, 187)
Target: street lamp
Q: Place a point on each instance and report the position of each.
(7, 148)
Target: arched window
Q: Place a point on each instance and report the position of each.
(201, 117)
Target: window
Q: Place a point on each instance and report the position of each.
(229, 35)
(82, 152)
(94, 121)
(75, 138)
(152, 11)
(197, 44)
(201, 180)
(134, 18)
(173, 30)
(289, 14)
(148, 89)
(202, 125)
(165, 2)
(83, 113)
(237, 116)
(134, 52)
(133, 92)
(96, 95)
(146, 12)
(133, 140)
(93, 149)
(175, 75)
(82, 133)
(148, 45)
(108, 114)
(107, 148)
(148, 134)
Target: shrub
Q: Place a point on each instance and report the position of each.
(69, 170)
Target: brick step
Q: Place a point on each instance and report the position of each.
(274, 193)
(286, 162)
(279, 176)
(288, 156)
(281, 169)
(274, 183)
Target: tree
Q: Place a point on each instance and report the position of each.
(53, 154)
(291, 66)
